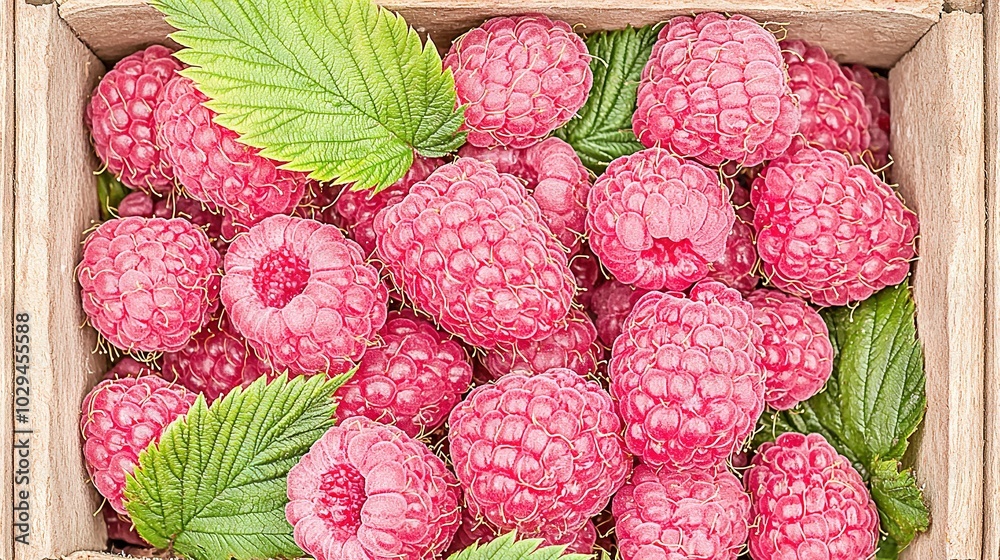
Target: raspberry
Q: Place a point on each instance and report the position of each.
(656, 221)
(572, 346)
(176, 206)
(318, 204)
(366, 490)
(120, 418)
(828, 231)
(302, 295)
(684, 372)
(876, 92)
(148, 284)
(556, 179)
(120, 528)
(736, 266)
(715, 89)
(834, 115)
(130, 367)
(798, 356)
(356, 210)
(122, 124)
(214, 362)
(539, 454)
(520, 78)
(469, 248)
(136, 203)
(587, 272)
(412, 379)
(612, 303)
(807, 501)
(476, 529)
(214, 167)
(694, 515)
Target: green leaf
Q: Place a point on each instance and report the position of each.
(342, 89)
(507, 547)
(110, 192)
(214, 486)
(603, 129)
(900, 502)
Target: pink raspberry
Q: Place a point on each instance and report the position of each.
(520, 78)
(411, 379)
(797, 353)
(176, 206)
(130, 367)
(302, 295)
(214, 361)
(736, 266)
(475, 529)
(120, 528)
(148, 284)
(470, 249)
(690, 515)
(656, 221)
(828, 231)
(356, 210)
(807, 501)
(572, 346)
(120, 418)
(611, 304)
(122, 124)
(834, 115)
(556, 179)
(684, 372)
(136, 203)
(214, 167)
(587, 272)
(318, 204)
(538, 454)
(715, 89)
(876, 92)
(366, 490)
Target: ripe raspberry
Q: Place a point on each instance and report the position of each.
(214, 361)
(476, 529)
(556, 179)
(214, 167)
(130, 367)
(834, 115)
(715, 89)
(469, 248)
(572, 346)
(684, 372)
(302, 295)
(807, 501)
(736, 266)
(876, 92)
(122, 124)
(176, 206)
(797, 354)
(356, 210)
(694, 515)
(136, 203)
(119, 419)
(366, 490)
(540, 454)
(587, 272)
(612, 303)
(829, 231)
(148, 284)
(318, 204)
(656, 221)
(412, 379)
(520, 78)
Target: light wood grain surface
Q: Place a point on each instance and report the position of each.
(55, 201)
(6, 272)
(937, 131)
(971, 6)
(873, 32)
(991, 491)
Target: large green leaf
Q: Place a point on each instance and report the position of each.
(507, 547)
(340, 88)
(214, 486)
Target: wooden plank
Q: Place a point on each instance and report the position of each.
(55, 201)
(991, 490)
(937, 132)
(6, 272)
(971, 6)
(872, 32)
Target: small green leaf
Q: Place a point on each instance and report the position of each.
(110, 192)
(507, 547)
(900, 502)
(214, 486)
(603, 129)
(342, 89)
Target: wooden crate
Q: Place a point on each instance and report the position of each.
(937, 96)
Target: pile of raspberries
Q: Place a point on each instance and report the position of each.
(580, 360)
